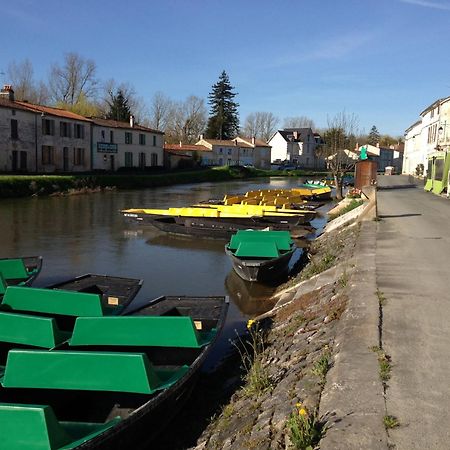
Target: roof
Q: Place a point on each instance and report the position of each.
(41, 109)
(433, 105)
(186, 147)
(288, 134)
(258, 142)
(117, 124)
(237, 142)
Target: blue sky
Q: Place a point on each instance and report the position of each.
(383, 60)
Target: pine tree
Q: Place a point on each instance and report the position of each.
(118, 107)
(374, 136)
(223, 122)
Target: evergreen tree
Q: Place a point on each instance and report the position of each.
(223, 122)
(374, 136)
(118, 107)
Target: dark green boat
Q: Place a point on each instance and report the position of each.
(100, 381)
(260, 255)
(19, 271)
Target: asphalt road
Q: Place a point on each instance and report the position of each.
(413, 273)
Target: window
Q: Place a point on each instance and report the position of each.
(111, 136)
(128, 137)
(14, 129)
(142, 160)
(438, 169)
(220, 150)
(65, 129)
(141, 139)
(78, 131)
(103, 135)
(48, 127)
(78, 156)
(229, 151)
(128, 158)
(154, 141)
(48, 154)
(154, 159)
(13, 112)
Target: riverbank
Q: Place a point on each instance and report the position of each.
(42, 185)
(291, 396)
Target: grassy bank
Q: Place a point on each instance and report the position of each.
(28, 185)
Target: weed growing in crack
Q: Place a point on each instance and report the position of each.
(304, 429)
(381, 298)
(390, 422)
(321, 367)
(384, 361)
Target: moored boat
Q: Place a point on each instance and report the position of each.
(260, 255)
(110, 382)
(20, 271)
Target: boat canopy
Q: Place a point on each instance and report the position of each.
(260, 244)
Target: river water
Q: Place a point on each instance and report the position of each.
(87, 234)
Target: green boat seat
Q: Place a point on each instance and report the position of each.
(30, 330)
(52, 301)
(257, 249)
(148, 331)
(89, 371)
(3, 285)
(35, 427)
(13, 269)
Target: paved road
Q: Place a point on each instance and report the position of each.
(413, 272)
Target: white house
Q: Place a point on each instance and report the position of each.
(36, 138)
(125, 144)
(296, 146)
(430, 133)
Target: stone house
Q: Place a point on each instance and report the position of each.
(296, 146)
(174, 153)
(125, 144)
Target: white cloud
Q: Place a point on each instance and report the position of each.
(428, 4)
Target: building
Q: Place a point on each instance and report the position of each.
(43, 139)
(296, 146)
(125, 144)
(391, 156)
(429, 134)
(36, 138)
(195, 154)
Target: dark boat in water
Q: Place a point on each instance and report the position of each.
(20, 271)
(260, 255)
(110, 382)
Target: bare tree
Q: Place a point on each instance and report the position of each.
(261, 125)
(339, 140)
(74, 78)
(161, 111)
(21, 76)
(187, 120)
(298, 122)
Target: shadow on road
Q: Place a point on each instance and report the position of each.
(392, 216)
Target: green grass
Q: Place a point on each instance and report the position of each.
(381, 298)
(316, 267)
(384, 362)
(321, 367)
(352, 205)
(304, 430)
(390, 422)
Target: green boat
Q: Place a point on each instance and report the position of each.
(100, 381)
(20, 271)
(260, 255)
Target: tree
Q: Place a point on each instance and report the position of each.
(298, 122)
(223, 122)
(339, 139)
(161, 110)
(74, 78)
(21, 78)
(118, 107)
(261, 125)
(374, 136)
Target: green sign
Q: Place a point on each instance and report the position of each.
(103, 147)
(363, 154)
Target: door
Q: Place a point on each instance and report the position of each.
(15, 161)
(111, 163)
(66, 159)
(23, 161)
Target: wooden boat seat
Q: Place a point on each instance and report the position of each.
(52, 301)
(148, 331)
(36, 426)
(14, 269)
(31, 330)
(86, 371)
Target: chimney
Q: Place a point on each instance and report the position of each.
(201, 137)
(181, 144)
(295, 133)
(253, 140)
(7, 93)
(235, 141)
(131, 120)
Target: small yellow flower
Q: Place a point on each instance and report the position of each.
(303, 412)
(298, 405)
(250, 323)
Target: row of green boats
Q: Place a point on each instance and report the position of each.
(82, 367)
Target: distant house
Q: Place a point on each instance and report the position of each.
(385, 156)
(125, 144)
(296, 146)
(197, 154)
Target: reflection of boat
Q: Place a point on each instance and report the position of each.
(99, 390)
(117, 292)
(20, 271)
(252, 299)
(260, 255)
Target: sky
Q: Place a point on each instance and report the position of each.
(383, 60)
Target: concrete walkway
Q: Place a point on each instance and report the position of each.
(413, 272)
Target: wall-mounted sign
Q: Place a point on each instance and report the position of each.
(104, 147)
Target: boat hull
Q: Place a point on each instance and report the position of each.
(261, 270)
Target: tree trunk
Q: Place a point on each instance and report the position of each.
(338, 184)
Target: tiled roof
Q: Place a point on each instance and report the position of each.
(227, 143)
(117, 124)
(258, 142)
(186, 147)
(288, 134)
(49, 110)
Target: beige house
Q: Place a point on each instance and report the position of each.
(36, 138)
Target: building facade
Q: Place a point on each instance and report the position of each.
(296, 146)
